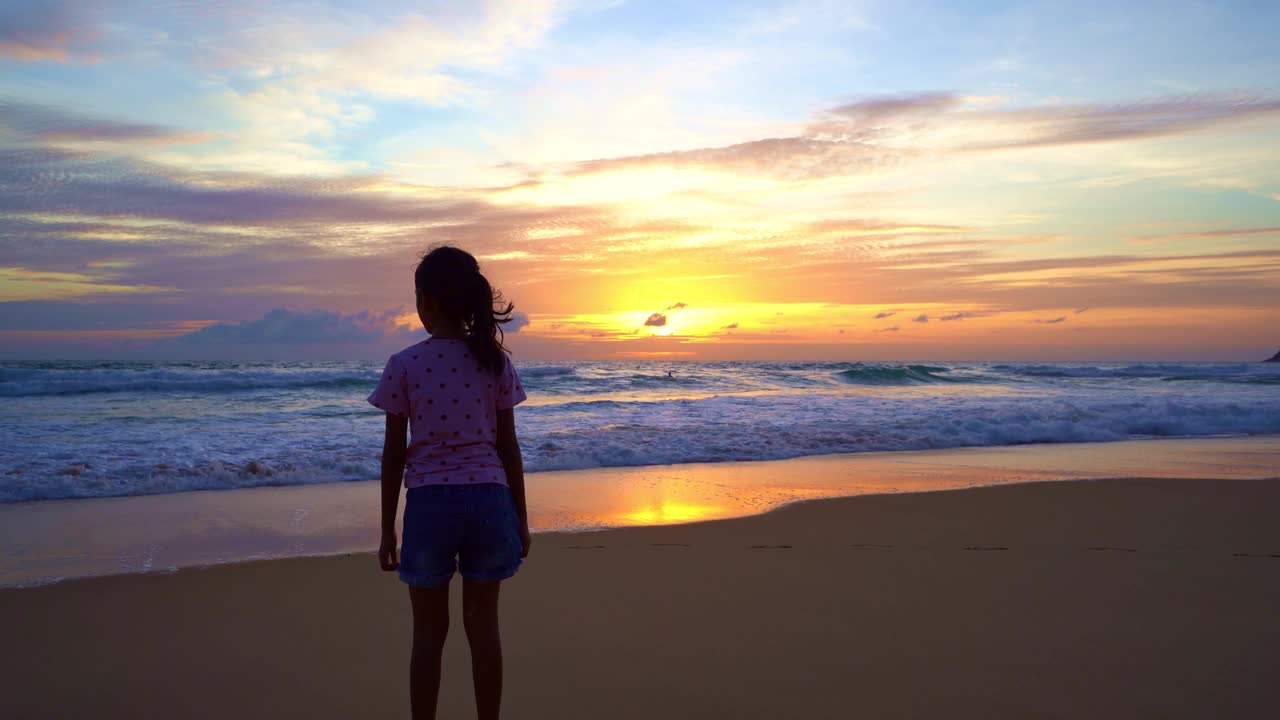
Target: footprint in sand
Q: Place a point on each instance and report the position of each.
(985, 548)
(584, 547)
(1113, 549)
(1256, 555)
(770, 547)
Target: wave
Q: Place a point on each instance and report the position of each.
(1225, 372)
(53, 379)
(88, 479)
(1257, 379)
(26, 383)
(828, 425)
(547, 371)
(896, 375)
(118, 431)
(304, 447)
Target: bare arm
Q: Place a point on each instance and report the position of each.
(513, 463)
(393, 458)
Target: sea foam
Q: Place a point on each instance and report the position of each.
(86, 430)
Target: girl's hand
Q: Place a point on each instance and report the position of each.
(387, 551)
(525, 540)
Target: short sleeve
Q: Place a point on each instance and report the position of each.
(510, 391)
(391, 395)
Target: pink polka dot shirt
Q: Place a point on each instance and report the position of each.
(452, 405)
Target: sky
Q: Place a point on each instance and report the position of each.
(710, 181)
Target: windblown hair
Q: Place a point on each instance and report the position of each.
(451, 276)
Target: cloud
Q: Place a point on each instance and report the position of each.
(519, 321)
(1052, 321)
(54, 181)
(958, 316)
(1211, 234)
(236, 245)
(296, 326)
(730, 326)
(894, 328)
(876, 133)
(876, 110)
(1078, 124)
(659, 319)
(45, 30)
(106, 314)
(416, 57)
(1081, 310)
(921, 318)
(39, 123)
(883, 315)
(790, 158)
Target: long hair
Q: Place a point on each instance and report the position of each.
(451, 276)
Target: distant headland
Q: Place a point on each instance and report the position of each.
(1273, 358)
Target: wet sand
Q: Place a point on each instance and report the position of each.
(1090, 599)
(45, 541)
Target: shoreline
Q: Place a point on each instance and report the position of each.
(587, 533)
(1118, 598)
(160, 534)
(711, 463)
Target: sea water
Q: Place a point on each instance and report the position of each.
(96, 429)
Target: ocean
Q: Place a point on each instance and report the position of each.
(101, 429)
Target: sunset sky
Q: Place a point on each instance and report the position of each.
(739, 180)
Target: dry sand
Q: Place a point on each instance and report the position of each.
(1098, 599)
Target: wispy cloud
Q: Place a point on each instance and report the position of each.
(410, 56)
(1212, 234)
(1077, 124)
(656, 320)
(879, 133)
(1051, 321)
(921, 318)
(38, 123)
(884, 314)
(48, 30)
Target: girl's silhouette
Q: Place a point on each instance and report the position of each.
(464, 504)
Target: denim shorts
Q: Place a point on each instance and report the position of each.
(472, 528)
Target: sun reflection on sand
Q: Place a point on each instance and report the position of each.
(671, 512)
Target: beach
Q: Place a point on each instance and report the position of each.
(841, 359)
(49, 541)
(1115, 598)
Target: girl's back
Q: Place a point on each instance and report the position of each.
(452, 405)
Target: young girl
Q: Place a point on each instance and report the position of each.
(464, 504)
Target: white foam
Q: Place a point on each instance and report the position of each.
(163, 430)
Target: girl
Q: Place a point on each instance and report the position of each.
(464, 504)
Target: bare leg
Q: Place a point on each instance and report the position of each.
(480, 618)
(430, 627)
